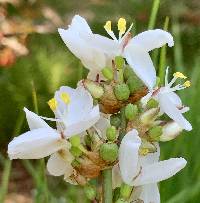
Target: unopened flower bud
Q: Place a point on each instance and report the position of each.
(119, 62)
(75, 140)
(90, 192)
(75, 151)
(108, 73)
(94, 88)
(115, 120)
(125, 191)
(87, 140)
(109, 152)
(152, 103)
(122, 91)
(128, 71)
(170, 131)
(155, 133)
(131, 111)
(116, 194)
(111, 133)
(149, 116)
(134, 84)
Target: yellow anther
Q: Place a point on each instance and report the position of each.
(121, 25)
(179, 75)
(65, 97)
(52, 104)
(143, 151)
(187, 83)
(108, 26)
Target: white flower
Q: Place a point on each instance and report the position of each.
(96, 51)
(74, 113)
(145, 171)
(169, 102)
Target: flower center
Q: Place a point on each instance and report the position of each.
(65, 97)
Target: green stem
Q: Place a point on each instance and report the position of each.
(107, 185)
(153, 15)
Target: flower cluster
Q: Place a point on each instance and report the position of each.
(114, 119)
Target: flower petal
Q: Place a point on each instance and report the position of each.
(141, 63)
(101, 126)
(150, 193)
(128, 156)
(167, 106)
(34, 121)
(152, 39)
(57, 166)
(116, 177)
(83, 124)
(153, 173)
(35, 144)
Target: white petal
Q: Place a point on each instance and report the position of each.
(128, 156)
(150, 193)
(57, 166)
(116, 177)
(141, 63)
(80, 25)
(101, 126)
(152, 39)
(35, 144)
(167, 106)
(34, 121)
(83, 124)
(159, 171)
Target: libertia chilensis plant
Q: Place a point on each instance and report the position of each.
(109, 127)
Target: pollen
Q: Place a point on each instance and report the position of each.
(143, 151)
(108, 26)
(179, 75)
(65, 97)
(121, 25)
(52, 104)
(187, 83)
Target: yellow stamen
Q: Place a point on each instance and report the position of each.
(121, 25)
(108, 26)
(65, 97)
(143, 151)
(179, 75)
(52, 104)
(187, 83)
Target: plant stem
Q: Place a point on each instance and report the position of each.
(153, 15)
(107, 185)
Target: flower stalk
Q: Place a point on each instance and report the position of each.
(107, 185)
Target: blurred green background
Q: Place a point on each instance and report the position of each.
(49, 65)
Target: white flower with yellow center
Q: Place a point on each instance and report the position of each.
(96, 51)
(169, 102)
(74, 113)
(143, 172)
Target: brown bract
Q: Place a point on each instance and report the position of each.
(109, 103)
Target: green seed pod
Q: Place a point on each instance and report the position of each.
(134, 84)
(109, 152)
(122, 91)
(152, 103)
(108, 73)
(119, 61)
(75, 140)
(131, 111)
(155, 133)
(128, 71)
(111, 133)
(90, 192)
(115, 120)
(76, 152)
(125, 191)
